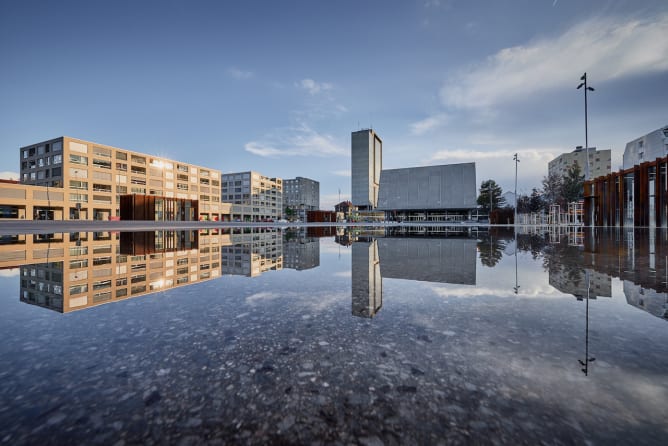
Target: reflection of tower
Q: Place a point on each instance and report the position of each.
(367, 284)
(366, 164)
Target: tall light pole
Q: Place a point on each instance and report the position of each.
(517, 160)
(583, 78)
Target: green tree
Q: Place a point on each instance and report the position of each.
(536, 202)
(523, 204)
(552, 188)
(483, 198)
(572, 185)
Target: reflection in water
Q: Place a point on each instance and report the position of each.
(67, 272)
(587, 359)
(426, 258)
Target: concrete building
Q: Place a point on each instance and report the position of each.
(85, 180)
(366, 164)
(445, 193)
(599, 162)
(254, 197)
(646, 148)
(435, 193)
(301, 195)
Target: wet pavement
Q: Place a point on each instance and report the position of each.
(356, 336)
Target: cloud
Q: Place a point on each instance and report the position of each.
(460, 155)
(342, 173)
(7, 175)
(328, 201)
(239, 74)
(296, 141)
(607, 48)
(12, 272)
(428, 124)
(312, 86)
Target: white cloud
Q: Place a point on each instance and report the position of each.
(342, 173)
(607, 48)
(312, 86)
(297, 141)
(460, 155)
(7, 175)
(428, 124)
(12, 272)
(239, 74)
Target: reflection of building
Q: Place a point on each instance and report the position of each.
(574, 281)
(254, 197)
(437, 193)
(443, 260)
(81, 270)
(646, 299)
(301, 253)
(252, 253)
(367, 283)
(86, 181)
(301, 195)
(599, 162)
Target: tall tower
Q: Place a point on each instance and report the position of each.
(366, 164)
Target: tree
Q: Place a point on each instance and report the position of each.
(536, 202)
(523, 204)
(552, 186)
(572, 185)
(483, 198)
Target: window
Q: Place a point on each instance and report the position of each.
(121, 156)
(57, 159)
(78, 159)
(122, 166)
(101, 152)
(138, 159)
(103, 164)
(75, 184)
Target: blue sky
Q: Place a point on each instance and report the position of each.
(277, 87)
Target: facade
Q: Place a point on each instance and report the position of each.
(446, 192)
(301, 195)
(599, 162)
(254, 197)
(646, 148)
(436, 193)
(301, 252)
(637, 196)
(83, 180)
(366, 164)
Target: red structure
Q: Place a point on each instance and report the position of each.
(321, 216)
(637, 196)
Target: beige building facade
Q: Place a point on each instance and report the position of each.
(83, 180)
(254, 197)
(600, 162)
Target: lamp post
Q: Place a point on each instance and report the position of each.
(517, 160)
(583, 78)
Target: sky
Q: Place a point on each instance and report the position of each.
(277, 87)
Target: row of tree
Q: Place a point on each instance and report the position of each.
(555, 189)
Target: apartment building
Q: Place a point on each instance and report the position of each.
(254, 197)
(84, 180)
(646, 148)
(252, 253)
(300, 195)
(599, 162)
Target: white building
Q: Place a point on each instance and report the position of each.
(646, 148)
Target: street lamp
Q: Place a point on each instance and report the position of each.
(586, 88)
(517, 160)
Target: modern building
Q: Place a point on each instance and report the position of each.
(433, 193)
(599, 162)
(646, 148)
(254, 197)
(367, 162)
(344, 210)
(84, 180)
(436, 193)
(300, 195)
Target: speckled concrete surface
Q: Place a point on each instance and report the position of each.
(280, 359)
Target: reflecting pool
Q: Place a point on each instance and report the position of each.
(363, 335)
